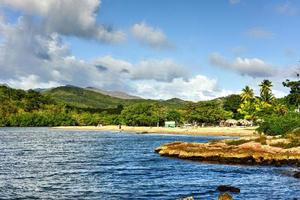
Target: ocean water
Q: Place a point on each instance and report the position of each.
(41, 163)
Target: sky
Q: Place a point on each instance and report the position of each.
(159, 49)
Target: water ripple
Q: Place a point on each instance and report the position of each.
(39, 163)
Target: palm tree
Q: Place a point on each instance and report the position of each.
(247, 94)
(266, 91)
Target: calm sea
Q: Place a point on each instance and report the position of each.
(41, 163)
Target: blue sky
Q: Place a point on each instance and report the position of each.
(192, 49)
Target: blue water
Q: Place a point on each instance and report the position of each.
(40, 163)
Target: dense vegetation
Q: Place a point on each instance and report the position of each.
(70, 105)
(279, 117)
(280, 124)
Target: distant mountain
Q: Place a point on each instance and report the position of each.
(41, 90)
(90, 98)
(83, 98)
(117, 94)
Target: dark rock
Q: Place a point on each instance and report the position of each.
(296, 175)
(228, 188)
(143, 132)
(225, 196)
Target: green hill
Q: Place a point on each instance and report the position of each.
(86, 98)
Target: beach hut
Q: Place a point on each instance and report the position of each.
(231, 122)
(244, 122)
(170, 124)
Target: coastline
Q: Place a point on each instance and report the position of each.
(200, 131)
(250, 152)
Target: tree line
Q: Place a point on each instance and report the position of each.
(32, 108)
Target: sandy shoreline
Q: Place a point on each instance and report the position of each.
(205, 131)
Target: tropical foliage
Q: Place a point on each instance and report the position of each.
(274, 116)
(280, 124)
(69, 105)
(209, 112)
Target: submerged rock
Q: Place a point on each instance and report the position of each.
(249, 153)
(143, 132)
(296, 175)
(225, 196)
(228, 188)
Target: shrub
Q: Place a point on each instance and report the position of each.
(237, 142)
(261, 139)
(280, 125)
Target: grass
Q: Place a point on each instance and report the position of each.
(261, 139)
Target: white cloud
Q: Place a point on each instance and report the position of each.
(31, 59)
(161, 70)
(259, 33)
(196, 88)
(28, 52)
(68, 17)
(116, 65)
(164, 70)
(253, 67)
(150, 36)
(279, 93)
(29, 82)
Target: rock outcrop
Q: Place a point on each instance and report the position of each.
(249, 153)
(228, 188)
(296, 175)
(225, 196)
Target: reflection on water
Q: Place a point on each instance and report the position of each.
(40, 163)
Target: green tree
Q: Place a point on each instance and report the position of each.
(173, 115)
(232, 103)
(209, 112)
(247, 94)
(294, 96)
(159, 113)
(247, 106)
(140, 114)
(266, 91)
(247, 109)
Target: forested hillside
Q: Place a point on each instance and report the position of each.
(70, 105)
(86, 98)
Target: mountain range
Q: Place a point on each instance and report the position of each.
(100, 99)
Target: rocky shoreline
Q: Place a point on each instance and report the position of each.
(222, 152)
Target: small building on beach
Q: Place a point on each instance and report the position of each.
(170, 124)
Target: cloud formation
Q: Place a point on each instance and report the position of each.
(29, 52)
(31, 58)
(195, 88)
(34, 55)
(252, 67)
(68, 17)
(150, 36)
(163, 70)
